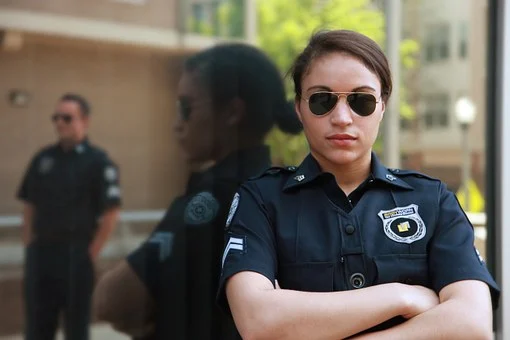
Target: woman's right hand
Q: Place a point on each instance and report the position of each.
(417, 300)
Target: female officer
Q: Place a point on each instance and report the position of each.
(229, 97)
(353, 245)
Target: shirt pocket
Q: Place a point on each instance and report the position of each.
(307, 277)
(403, 268)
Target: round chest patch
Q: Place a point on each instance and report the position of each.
(45, 165)
(202, 208)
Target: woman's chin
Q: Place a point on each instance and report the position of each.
(342, 157)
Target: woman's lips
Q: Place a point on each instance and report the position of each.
(341, 139)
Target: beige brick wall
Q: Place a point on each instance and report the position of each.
(132, 95)
(154, 13)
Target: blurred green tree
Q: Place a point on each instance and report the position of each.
(231, 18)
(226, 20)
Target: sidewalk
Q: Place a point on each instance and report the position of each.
(98, 332)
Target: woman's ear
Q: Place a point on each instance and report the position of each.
(297, 106)
(383, 109)
(235, 112)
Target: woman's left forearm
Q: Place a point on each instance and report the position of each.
(465, 313)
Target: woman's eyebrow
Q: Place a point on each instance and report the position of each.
(326, 88)
(319, 87)
(364, 87)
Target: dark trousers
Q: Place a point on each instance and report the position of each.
(58, 282)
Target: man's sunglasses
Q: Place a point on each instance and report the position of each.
(183, 109)
(324, 102)
(67, 118)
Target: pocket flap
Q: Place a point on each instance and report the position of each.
(403, 268)
(307, 277)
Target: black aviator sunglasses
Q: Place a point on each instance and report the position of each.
(323, 102)
(67, 118)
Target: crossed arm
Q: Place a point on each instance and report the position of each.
(463, 311)
(120, 298)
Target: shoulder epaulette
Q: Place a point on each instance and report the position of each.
(275, 170)
(414, 173)
(98, 151)
(45, 149)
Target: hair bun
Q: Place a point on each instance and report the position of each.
(287, 119)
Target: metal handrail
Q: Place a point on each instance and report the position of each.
(133, 216)
(125, 241)
(121, 243)
(10, 221)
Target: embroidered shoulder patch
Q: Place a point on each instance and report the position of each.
(233, 209)
(480, 258)
(110, 173)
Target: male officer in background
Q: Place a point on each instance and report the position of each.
(71, 199)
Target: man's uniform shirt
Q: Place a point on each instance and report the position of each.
(70, 191)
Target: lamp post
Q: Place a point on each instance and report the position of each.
(465, 112)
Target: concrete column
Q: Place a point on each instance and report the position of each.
(391, 124)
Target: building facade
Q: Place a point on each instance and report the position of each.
(452, 37)
(125, 57)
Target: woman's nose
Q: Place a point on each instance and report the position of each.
(341, 113)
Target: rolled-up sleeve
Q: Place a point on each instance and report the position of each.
(109, 185)
(249, 240)
(26, 190)
(452, 254)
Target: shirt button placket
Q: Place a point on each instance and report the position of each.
(350, 229)
(352, 251)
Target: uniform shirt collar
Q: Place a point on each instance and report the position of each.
(82, 147)
(78, 149)
(383, 174)
(240, 165)
(244, 163)
(309, 170)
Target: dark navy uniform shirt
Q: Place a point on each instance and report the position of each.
(295, 225)
(70, 190)
(180, 263)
